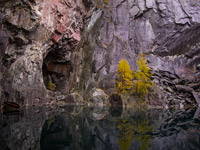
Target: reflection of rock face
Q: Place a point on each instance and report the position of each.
(183, 140)
(177, 131)
(56, 134)
(23, 131)
(99, 113)
(76, 128)
(133, 130)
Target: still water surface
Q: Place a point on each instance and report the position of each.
(83, 128)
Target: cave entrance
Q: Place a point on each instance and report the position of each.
(56, 71)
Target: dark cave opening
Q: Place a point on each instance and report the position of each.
(58, 65)
(56, 71)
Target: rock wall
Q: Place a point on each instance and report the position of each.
(166, 31)
(76, 45)
(30, 29)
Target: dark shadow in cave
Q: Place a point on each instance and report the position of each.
(56, 71)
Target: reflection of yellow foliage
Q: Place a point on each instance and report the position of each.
(139, 129)
(125, 77)
(126, 134)
(142, 129)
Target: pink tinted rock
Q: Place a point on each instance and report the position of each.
(56, 37)
(60, 28)
(77, 36)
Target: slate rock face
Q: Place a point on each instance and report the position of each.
(167, 32)
(164, 30)
(29, 30)
(78, 44)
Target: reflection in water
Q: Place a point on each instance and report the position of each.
(55, 134)
(143, 133)
(139, 128)
(79, 128)
(125, 134)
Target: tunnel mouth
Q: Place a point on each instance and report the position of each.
(56, 71)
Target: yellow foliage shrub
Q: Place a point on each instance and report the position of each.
(51, 86)
(138, 82)
(124, 81)
(100, 3)
(143, 78)
(106, 2)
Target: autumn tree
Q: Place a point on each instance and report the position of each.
(143, 78)
(137, 82)
(100, 3)
(124, 80)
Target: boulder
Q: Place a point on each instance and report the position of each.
(98, 98)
